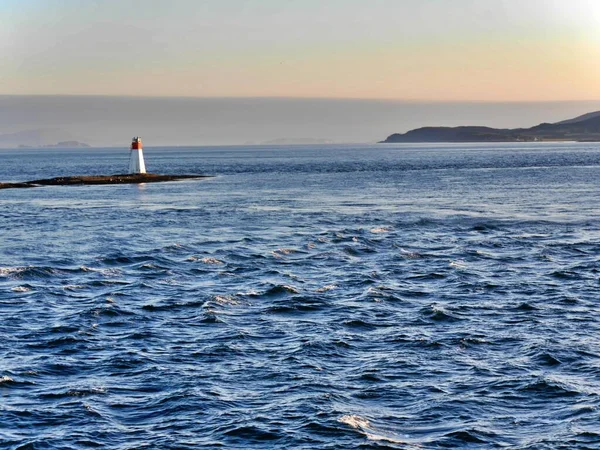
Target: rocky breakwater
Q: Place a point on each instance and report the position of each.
(101, 179)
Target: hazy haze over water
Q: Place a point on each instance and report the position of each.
(102, 121)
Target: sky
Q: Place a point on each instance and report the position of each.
(195, 72)
(410, 50)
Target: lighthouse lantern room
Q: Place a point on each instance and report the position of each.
(136, 156)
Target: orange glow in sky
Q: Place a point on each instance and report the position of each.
(436, 50)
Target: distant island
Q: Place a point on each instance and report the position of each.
(585, 128)
(41, 138)
(61, 144)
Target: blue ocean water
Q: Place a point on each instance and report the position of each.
(336, 297)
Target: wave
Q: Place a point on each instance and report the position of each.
(6, 380)
(30, 272)
(439, 314)
(364, 426)
(253, 433)
(547, 387)
(7, 271)
(210, 260)
(23, 288)
(378, 230)
(326, 288)
(81, 392)
(280, 289)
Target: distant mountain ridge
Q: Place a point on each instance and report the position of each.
(581, 118)
(582, 128)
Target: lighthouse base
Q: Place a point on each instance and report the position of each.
(136, 161)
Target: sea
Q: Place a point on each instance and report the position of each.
(305, 297)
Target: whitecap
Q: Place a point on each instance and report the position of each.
(381, 230)
(73, 287)
(5, 271)
(363, 425)
(409, 254)
(281, 252)
(329, 287)
(251, 293)
(355, 421)
(290, 289)
(86, 391)
(458, 264)
(226, 300)
(111, 272)
(105, 272)
(209, 260)
(20, 289)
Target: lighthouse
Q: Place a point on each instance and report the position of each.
(136, 156)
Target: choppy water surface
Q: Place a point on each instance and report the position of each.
(306, 297)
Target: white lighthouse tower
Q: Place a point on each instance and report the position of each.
(136, 156)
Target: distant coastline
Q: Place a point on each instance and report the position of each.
(41, 138)
(585, 128)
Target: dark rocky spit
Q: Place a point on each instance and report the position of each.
(101, 179)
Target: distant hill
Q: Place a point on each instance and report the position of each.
(40, 137)
(582, 128)
(582, 118)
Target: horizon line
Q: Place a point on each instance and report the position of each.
(275, 97)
